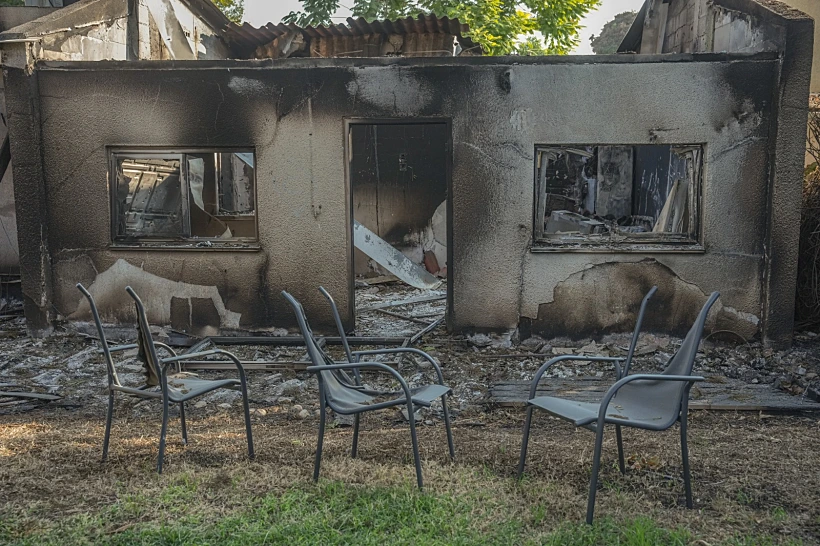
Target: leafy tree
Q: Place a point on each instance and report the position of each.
(612, 34)
(233, 9)
(502, 27)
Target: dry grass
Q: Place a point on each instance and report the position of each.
(753, 477)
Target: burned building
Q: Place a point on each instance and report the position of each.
(570, 185)
(119, 30)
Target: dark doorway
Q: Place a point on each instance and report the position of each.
(399, 180)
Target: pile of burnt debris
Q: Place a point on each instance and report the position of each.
(69, 365)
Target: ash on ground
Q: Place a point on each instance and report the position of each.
(70, 364)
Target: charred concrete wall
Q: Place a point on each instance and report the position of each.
(732, 26)
(121, 29)
(738, 26)
(293, 113)
(96, 31)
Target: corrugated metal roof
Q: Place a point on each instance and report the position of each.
(249, 37)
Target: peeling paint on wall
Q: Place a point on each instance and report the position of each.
(587, 304)
(104, 41)
(160, 296)
(521, 119)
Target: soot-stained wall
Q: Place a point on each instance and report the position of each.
(293, 113)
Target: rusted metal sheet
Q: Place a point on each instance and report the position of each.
(426, 35)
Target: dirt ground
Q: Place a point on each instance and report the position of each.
(752, 475)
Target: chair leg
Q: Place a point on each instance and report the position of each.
(414, 439)
(247, 410)
(182, 420)
(355, 449)
(318, 463)
(108, 418)
(448, 427)
(162, 434)
(684, 447)
(621, 463)
(596, 465)
(525, 441)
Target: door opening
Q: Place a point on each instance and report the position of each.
(399, 175)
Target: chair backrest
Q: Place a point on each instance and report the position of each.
(634, 342)
(684, 360)
(109, 362)
(145, 343)
(338, 319)
(663, 399)
(333, 388)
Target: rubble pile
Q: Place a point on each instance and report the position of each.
(69, 364)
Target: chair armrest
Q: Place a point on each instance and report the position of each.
(365, 365)
(400, 350)
(118, 348)
(613, 390)
(181, 358)
(166, 347)
(534, 385)
(196, 355)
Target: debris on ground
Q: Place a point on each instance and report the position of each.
(70, 365)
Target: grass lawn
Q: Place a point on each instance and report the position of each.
(756, 482)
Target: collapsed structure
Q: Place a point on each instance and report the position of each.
(564, 186)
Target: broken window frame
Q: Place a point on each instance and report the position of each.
(638, 242)
(185, 240)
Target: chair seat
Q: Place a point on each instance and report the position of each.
(347, 400)
(428, 393)
(184, 389)
(621, 411)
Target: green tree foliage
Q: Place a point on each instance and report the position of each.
(502, 27)
(612, 34)
(234, 9)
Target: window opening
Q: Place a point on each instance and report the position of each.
(588, 194)
(206, 195)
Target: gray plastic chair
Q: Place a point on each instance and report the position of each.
(342, 395)
(177, 390)
(645, 401)
(355, 356)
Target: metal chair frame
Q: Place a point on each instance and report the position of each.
(355, 356)
(597, 424)
(348, 397)
(158, 367)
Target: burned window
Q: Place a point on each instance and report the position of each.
(202, 196)
(588, 195)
